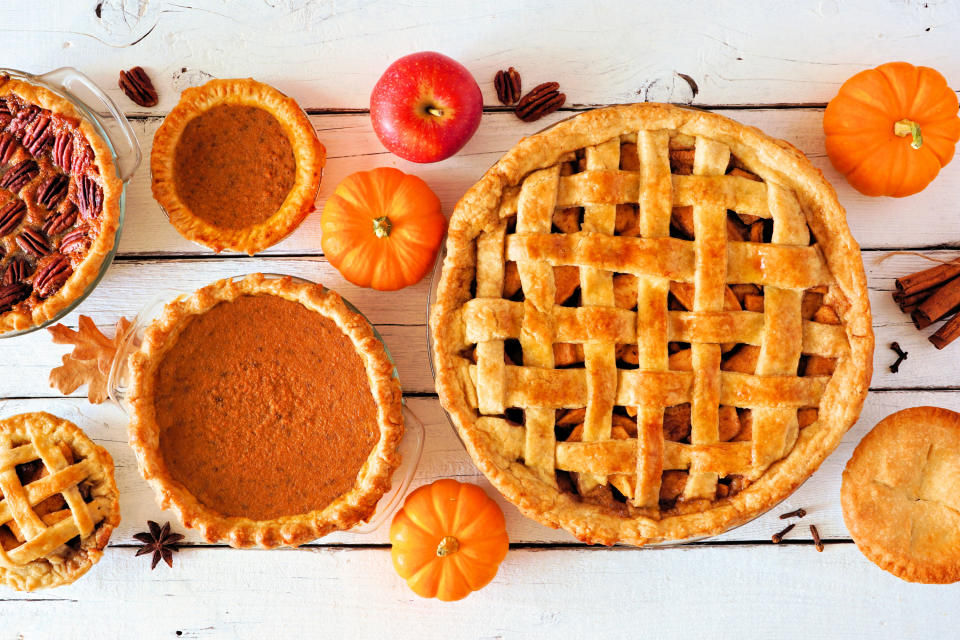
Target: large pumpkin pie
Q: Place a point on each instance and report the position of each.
(265, 412)
(236, 165)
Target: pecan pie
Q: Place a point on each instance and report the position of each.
(59, 501)
(59, 204)
(652, 324)
(265, 412)
(236, 165)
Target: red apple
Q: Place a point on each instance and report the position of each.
(425, 107)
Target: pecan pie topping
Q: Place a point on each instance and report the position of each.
(17, 270)
(33, 242)
(51, 276)
(52, 191)
(18, 176)
(11, 215)
(11, 294)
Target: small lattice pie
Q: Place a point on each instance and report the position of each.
(59, 501)
(652, 324)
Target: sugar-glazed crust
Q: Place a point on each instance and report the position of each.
(901, 495)
(787, 188)
(45, 560)
(309, 154)
(101, 170)
(374, 478)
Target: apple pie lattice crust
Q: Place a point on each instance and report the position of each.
(652, 324)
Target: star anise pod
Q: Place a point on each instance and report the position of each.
(160, 542)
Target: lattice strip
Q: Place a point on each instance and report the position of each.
(710, 237)
(490, 276)
(534, 215)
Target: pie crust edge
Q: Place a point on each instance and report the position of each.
(374, 478)
(840, 404)
(43, 575)
(309, 153)
(85, 272)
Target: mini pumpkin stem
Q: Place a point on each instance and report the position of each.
(382, 227)
(448, 546)
(909, 128)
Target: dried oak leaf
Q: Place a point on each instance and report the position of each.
(89, 362)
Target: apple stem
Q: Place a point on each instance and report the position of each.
(382, 227)
(434, 111)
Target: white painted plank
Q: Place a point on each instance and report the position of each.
(445, 457)
(716, 592)
(352, 146)
(330, 54)
(400, 316)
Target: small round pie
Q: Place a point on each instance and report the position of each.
(59, 501)
(59, 204)
(265, 412)
(236, 165)
(901, 495)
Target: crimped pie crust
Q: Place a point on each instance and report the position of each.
(309, 154)
(901, 495)
(101, 170)
(48, 562)
(479, 212)
(375, 476)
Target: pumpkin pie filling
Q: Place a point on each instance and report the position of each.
(234, 166)
(264, 409)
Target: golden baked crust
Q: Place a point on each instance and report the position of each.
(97, 167)
(374, 478)
(901, 495)
(82, 484)
(566, 183)
(309, 154)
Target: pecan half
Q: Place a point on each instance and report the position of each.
(51, 276)
(39, 135)
(81, 159)
(77, 240)
(507, 84)
(4, 106)
(33, 242)
(61, 220)
(23, 118)
(52, 190)
(11, 215)
(542, 100)
(19, 175)
(138, 87)
(17, 269)
(12, 294)
(8, 147)
(63, 151)
(89, 197)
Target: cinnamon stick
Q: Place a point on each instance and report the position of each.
(946, 334)
(927, 279)
(909, 302)
(940, 303)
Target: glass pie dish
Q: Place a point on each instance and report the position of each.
(120, 384)
(97, 109)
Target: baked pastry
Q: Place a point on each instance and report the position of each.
(59, 501)
(59, 204)
(652, 324)
(236, 165)
(901, 495)
(265, 412)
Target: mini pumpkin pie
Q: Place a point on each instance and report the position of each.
(236, 165)
(59, 204)
(901, 495)
(265, 412)
(59, 501)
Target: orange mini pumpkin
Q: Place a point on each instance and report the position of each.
(448, 540)
(382, 228)
(891, 129)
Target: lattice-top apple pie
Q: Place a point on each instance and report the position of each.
(652, 324)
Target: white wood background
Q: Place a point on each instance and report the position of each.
(773, 65)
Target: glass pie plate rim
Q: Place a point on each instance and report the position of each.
(411, 444)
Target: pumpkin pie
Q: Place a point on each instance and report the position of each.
(265, 412)
(236, 165)
(59, 501)
(59, 204)
(901, 495)
(652, 324)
